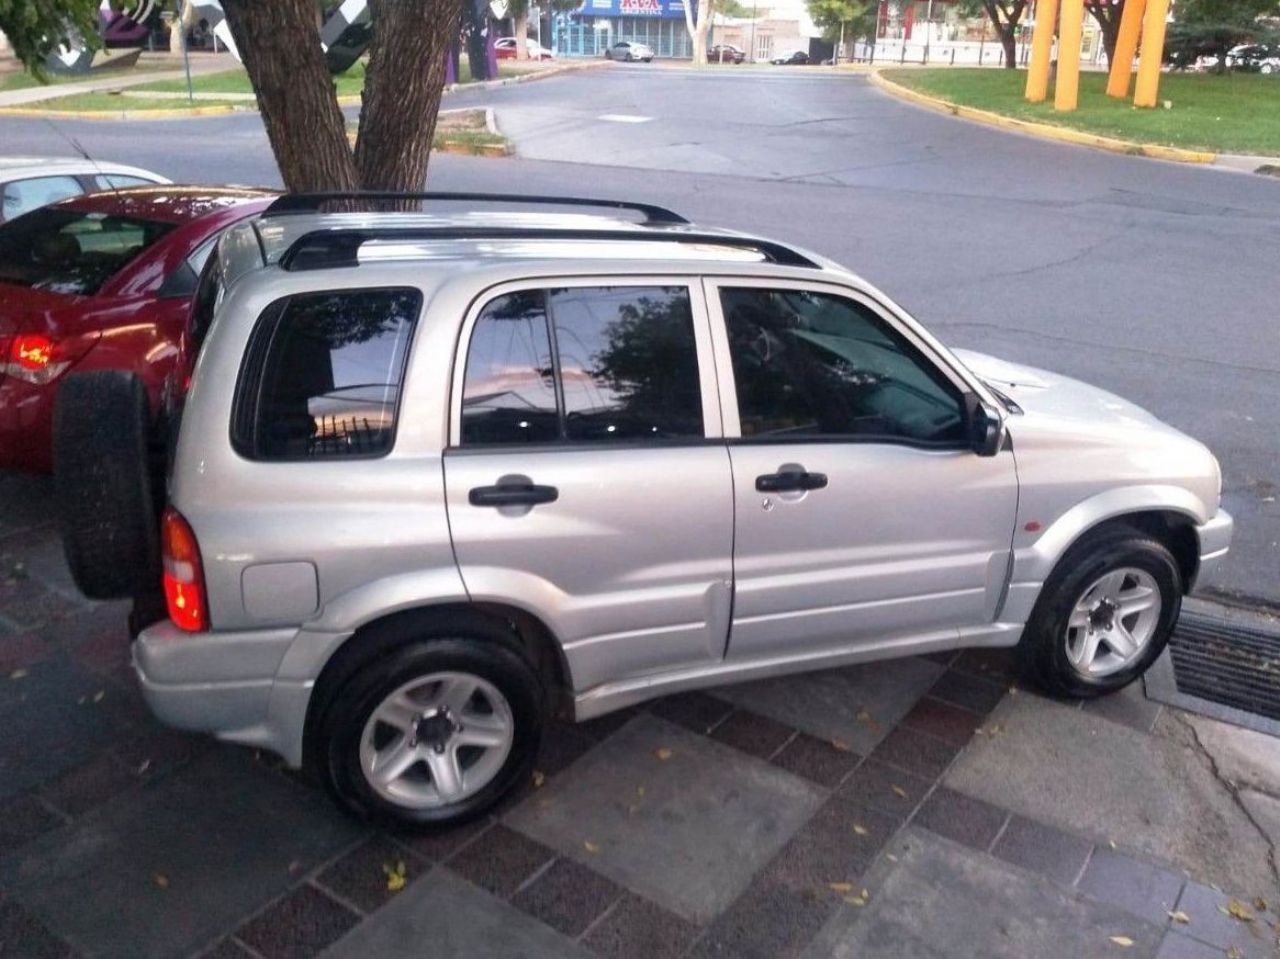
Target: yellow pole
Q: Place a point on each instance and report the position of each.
(1066, 89)
(1148, 86)
(1041, 50)
(1126, 47)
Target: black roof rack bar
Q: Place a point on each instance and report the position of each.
(312, 202)
(341, 247)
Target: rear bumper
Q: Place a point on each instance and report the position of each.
(219, 683)
(1215, 541)
(26, 425)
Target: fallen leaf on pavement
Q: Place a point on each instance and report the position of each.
(855, 900)
(863, 716)
(395, 876)
(859, 830)
(841, 745)
(18, 674)
(1237, 910)
(1235, 953)
(1123, 941)
(539, 777)
(1180, 916)
(1260, 904)
(590, 846)
(663, 753)
(899, 792)
(640, 791)
(161, 880)
(840, 886)
(98, 696)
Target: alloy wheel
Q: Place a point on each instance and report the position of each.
(1112, 622)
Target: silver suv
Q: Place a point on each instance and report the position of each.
(440, 475)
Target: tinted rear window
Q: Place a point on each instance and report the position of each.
(72, 251)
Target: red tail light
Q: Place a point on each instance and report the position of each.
(40, 359)
(183, 574)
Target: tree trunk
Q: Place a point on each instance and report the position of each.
(522, 37)
(402, 86)
(295, 92)
(182, 21)
(1108, 19)
(700, 38)
(1009, 41)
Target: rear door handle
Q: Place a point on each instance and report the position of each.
(790, 481)
(512, 494)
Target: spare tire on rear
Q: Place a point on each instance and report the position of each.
(102, 475)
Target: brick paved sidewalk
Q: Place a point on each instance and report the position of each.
(913, 808)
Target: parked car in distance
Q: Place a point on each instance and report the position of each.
(790, 57)
(726, 53)
(102, 281)
(30, 182)
(1255, 57)
(629, 50)
(439, 476)
(505, 47)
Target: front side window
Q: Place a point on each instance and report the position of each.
(323, 375)
(583, 364)
(810, 364)
(21, 196)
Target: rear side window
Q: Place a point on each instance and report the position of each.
(72, 251)
(583, 364)
(21, 196)
(322, 375)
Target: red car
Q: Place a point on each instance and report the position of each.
(99, 282)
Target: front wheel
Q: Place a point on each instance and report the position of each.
(433, 734)
(1105, 614)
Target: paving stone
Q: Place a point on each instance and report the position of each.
(23, 936)
(298, 926)
(24, 819)
(997, 665)
(1211, 924)
(674, 816)
(51, 724)
(1129, 706)
(562, 744)
(754, 734)
(159, 750)
(966, 820)
(21, 652)
(568, 897)
(1104, 781)
(695, 711)
(838, 844)
(501, 860)
(228, 949)
(226, 836)
(89, 786)
(1178, 946)
(881, 787)
(816, 760)
(1137, 887)
(639, 929)
(828, 704)
(29, 604)
(771, 920)
(439, 846)
(605, 726)
(970, 692)
(943, 899)
(942, 721)
(921, 755)
(1043, 849)
(443, 917)
(360, 877)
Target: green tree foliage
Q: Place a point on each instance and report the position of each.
(1212, 27)
(35, 28)
(1005, 16)
(858, 17)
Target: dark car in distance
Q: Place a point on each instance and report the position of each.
(790, 57)
(725, 53)
(99, 282)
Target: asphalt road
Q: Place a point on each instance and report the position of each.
(1158, 281)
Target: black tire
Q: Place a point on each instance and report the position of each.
(398, 651)
(1044, 642)
(102, 475)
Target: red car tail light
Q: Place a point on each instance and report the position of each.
(41, 359)
(183, 574)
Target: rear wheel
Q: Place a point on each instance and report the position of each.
(103, 453)
(1105, 614)
(434, 731)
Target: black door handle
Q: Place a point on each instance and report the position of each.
(790, 481)
(512, 494)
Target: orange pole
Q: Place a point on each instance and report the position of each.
(1126, 48)
(1041, 51)
(1066, 90)
(1153, 24)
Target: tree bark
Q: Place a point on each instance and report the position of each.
(280, 47)
(1010, 44)
(1005, 14)
(522, 37)
(1108, 17)
(402, 86)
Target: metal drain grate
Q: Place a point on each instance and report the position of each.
(1227, 663)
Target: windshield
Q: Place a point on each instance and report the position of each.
(72, 251)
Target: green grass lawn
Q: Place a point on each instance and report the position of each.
(21, 80)
(111, 101)
(1234, 113)
(237, 81)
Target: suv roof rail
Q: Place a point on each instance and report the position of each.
(312, 202)
(341, 247)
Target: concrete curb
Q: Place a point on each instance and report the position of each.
(164, 114)
(1045, 131)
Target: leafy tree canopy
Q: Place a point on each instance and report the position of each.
(857, 16)
(35, 28)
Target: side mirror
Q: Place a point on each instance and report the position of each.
(986, 426)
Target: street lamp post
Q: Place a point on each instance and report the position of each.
(928, 29)
(752, 51)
